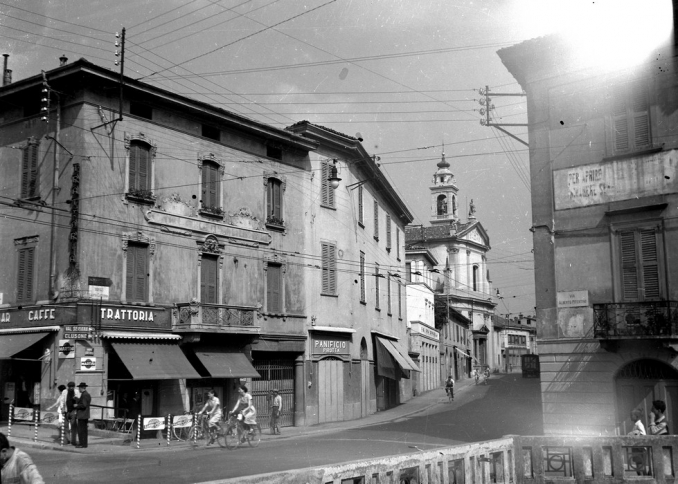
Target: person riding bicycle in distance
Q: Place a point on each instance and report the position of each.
(245, 407)
(449, 386)
(213, 409)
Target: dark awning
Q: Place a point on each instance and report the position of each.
(227, 365)
(11, 344)
(389, 355)
(154, 361)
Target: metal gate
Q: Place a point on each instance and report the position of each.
(274, 374)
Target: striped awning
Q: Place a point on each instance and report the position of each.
(138, 335)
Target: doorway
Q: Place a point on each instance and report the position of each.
(330, 390)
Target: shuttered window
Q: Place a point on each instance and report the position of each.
(376, 220)
(376, 285)
(326, 190)
(137, 272)
(25, 274)
(274, 201)
(631, 119)
(388, 232)
(29, 170)
(640, 271)
(397, 243)
(209, 279)
(400, 301)
(274, 288)
(139, 166)
(329, 269)
(210, 185)
(361, 210)
(388, 294)
(362, 278)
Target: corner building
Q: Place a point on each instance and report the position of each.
(173, 248)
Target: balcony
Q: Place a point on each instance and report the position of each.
(636, 320)
(197, 317)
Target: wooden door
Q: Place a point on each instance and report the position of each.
(330, 390)
(365, 388)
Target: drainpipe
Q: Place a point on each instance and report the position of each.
(55, 191)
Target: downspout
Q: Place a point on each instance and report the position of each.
(55, 190)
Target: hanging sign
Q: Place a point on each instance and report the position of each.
(78, 332)
(88, 363)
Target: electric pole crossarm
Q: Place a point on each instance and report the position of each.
(511, 134)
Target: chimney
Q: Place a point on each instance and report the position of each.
(63, 60)
(6, 73)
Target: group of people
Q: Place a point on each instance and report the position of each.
(244, 407)
(74, 413)
(658, 424)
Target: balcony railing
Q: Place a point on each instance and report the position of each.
(510, 460)
(196, 316)
(651, 318)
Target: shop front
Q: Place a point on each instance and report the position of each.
(392, 364)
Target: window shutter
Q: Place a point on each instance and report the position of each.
(133, 166)
(641, 118)
(327, 193)
(376, 285)
(144, 169)
(388, 231)
(650, 263)
(213, 186)
(397, 243)
(277, 199)
(208, 279)
(140, 274)
(20, 290)
(269, 198)
(25, 172)
(362, 276)
(361, 215)
(28, 293)
(33, 158)
(376, 219)
(273, 288)
(629, 268)
(333, 270)
(329, 268)
(621, 134)
(388, 292)
(130, 270)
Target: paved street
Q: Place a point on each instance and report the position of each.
(508, 405)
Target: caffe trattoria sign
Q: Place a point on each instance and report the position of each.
(38, 316)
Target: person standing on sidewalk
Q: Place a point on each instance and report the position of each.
(82, 408)
(276, 408)
(71, 414)
(61, 410)
(17, 466)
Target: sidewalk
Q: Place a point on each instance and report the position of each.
(101, 442)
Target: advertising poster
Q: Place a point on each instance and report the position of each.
(179, 421)
(21, 413)
(154, 423)
(88, 363)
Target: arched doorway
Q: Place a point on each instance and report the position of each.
(364, 380)
(638, 384)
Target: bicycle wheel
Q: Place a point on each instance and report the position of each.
(196, 434)
(254, 437)
(181, 433)
(232, 437)
(220, 437)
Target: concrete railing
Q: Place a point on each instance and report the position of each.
(512, 459)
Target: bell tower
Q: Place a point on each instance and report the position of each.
(444, 199)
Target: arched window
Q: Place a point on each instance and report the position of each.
(442, 205)
(476, 282)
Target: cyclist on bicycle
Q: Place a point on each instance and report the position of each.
(244, 406)
(486, 374)
(449, 387)
(213, 409)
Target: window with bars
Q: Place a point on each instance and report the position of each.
(361, 210)
(326, 190)
(376, 220)
(210, 186)
(631, 118)
(376, 285)
(329, 269)
(209, 279)
(25, 273)
(274, 288)
(274, 202)
(140, 167)
(29, 169)
(137, 272)
(388, 232)
(362, 278)
(641, 278)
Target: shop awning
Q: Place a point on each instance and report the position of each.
(11, 344)
(138, 335)
(154, 361)
(227, 365)
(399, 355)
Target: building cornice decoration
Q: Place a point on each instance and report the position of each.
(276, 259)
(140, 137)
(210, 246)
(138, 236)
(25, 241)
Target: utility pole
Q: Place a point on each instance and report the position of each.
(488, 107)
(119, 52)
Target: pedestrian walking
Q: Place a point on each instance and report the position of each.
(659, 424)
(276, 408)
(61, 410)
(82, 409)
(17, 466)
(71, 413)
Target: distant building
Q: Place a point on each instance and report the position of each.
(176, 247)
(516, 337)
(603, 164)
(459, 278)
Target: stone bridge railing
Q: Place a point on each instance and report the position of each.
(512, 459)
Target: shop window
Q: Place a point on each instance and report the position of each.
(326, 190)
(209, 279)
(137, 272)
(274, 288)
(639, 263)
(631, 119)
(30, 169)
(329, 269)
(362, 278)
(25, 274)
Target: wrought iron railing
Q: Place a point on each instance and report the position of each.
(195, 315)
(648, 318)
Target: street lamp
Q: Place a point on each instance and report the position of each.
(334, 177)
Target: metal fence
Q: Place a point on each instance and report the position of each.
(647, 318)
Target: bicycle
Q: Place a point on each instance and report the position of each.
(236, 434)
(450, 395)
(477, 377)
(201, 430)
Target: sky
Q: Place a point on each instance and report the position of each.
(403, 75)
